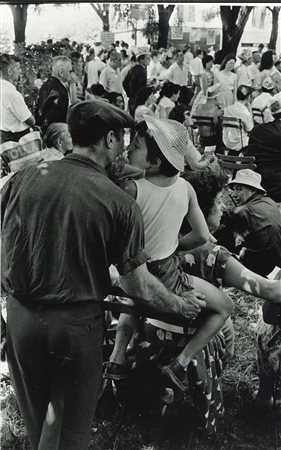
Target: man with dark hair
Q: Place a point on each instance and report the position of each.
(136, 78)
(265, 145)
(74, 223)
(54, 99)
(16, 119)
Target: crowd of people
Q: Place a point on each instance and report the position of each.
(86, 204)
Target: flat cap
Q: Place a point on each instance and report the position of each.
(89, 121)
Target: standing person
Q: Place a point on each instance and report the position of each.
(93, 68)
(136, 78)
(74, 222)
(54, 99)
(268, 69)
(243, 73)
(16, 119)
(154, 68)
(188, 56)
(228, 81)
(196, 69)
(253, 68)
(110, 76)
(178, 74)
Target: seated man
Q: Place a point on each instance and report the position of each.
(236, 139)
(257, 219)
(265, 145)
(210, 135)
(262, 102)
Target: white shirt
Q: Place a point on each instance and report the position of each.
(177, 75)
(196, 67)
(111, 80)
(262, 103)
(232, 136)
(154, 69)
(188, 58)
(243, 76)
(14, 111)
(93, 69)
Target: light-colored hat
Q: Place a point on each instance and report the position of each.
(249, 178)
(213, 91)
(275, 105)
(171, 137)
(268, 83)
(142, 51)
(246, 54)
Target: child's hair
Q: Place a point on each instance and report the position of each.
(154, 152)
(206, 59)
(207, 186)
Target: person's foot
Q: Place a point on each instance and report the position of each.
(115, 371)
(177, 374)
(265, 402)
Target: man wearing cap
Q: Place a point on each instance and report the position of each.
(137, 77)
(261, 102)
(243, 74)
(74, 222)
(236, 139)
(258, 220)
(16, 119)
(265, 146)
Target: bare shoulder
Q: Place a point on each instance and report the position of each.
(130, 188)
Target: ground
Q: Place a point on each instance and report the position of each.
(245, 427)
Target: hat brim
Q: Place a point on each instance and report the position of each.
(257, 187)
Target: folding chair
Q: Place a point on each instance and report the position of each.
(258, 114)
(234, 122)
(212, 135)
(236, 162)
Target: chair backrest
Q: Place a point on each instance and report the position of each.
(236, 162)
(204, 121)
(234, 122)
(258, 113)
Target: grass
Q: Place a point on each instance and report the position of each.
(244, 426)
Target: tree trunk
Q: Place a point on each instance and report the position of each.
(164, 17)
(274, 31)
(102, 10)
(234, 19)
(20, 18)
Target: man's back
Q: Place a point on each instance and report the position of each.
(52, 103)
(93, 69)
(62, 228)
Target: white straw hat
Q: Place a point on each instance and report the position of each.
(249, 178)
(172, 139)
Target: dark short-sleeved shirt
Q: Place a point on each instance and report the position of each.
(64, 224)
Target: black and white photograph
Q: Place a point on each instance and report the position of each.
(140, 149)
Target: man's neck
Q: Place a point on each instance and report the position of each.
(2, 77)
(89, 153)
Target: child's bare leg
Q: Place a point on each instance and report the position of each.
(219, 307)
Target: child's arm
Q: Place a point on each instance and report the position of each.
(200, 233)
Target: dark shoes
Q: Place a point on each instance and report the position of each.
(177, 374)
(115, 371)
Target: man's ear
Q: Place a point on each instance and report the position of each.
(109, 139)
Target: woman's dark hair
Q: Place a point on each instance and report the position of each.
(266, 60)
(206, 59)
(154, 152)
(112, 97)
(123, 53)
(226, 59)
(177, 113)
(96, 89)
(142, 95)
(75, 56)
(218, 57)
(207, 186)
(168, 90)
